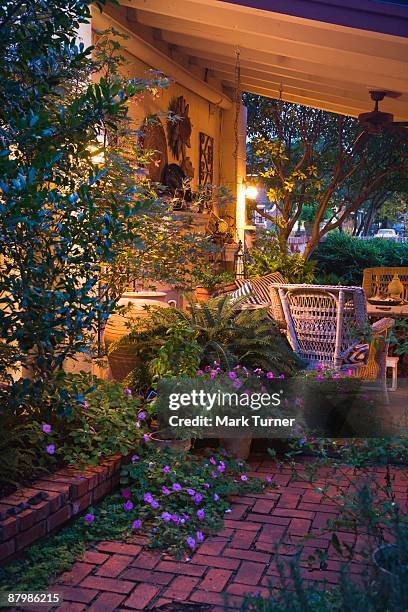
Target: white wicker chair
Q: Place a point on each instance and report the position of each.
(323, 324)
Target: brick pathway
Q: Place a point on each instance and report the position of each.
(239, 559)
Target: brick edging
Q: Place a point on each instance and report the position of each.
(33, 512)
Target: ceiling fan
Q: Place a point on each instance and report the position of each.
(375, 121)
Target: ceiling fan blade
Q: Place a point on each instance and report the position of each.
(401, 123)
(398, 130)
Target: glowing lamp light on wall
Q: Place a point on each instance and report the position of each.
(251, 192)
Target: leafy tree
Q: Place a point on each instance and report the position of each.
(66, 198)
(309, 157)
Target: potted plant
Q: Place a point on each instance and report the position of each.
(207, 282)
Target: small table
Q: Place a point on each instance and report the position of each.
(379, 311)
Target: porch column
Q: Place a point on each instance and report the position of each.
(233, 167)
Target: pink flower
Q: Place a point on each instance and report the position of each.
(270, 375)
(85, 405)
(50, 449)
(46, 428)
(268, 479)
(348, 372)
(320, 367)
(319, 378)
(128, 506)
(137, 524)
(199, 372)
(282, 377)
(89, 518)
(243, 477)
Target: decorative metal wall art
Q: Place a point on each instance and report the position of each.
(179, 133)
(206, 160)
(153, 138)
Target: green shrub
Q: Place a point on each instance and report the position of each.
(266, 257)
(342, 258)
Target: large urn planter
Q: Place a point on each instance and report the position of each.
(161, 442)
(123, 359)
(202, 294)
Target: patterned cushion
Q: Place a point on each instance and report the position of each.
(257, 289)
(358, 355)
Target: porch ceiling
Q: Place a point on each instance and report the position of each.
(326, 65)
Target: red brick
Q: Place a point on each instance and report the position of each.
(263, 506)
(7, 548)
(248, 555)
(120, 548)
(215, 580)
(76, 594)
(59, 518)
(220, 562)
(81, 503)
(237, 588)
(288, 500)
(242, 539)
(299, 527)
(246, 525)
(291, 512)
(321, 518)
(29, 536)
(57, 487)
(250, 572)
(237, 511)
(213, 546)
(139, 575)
(217, 599)
(70, 607)
(91, 556)
(180, 568)
(141, 596)
(147, 559)
(26, 519)
(8, 528)
(317, 507)
(102, 489)
(107, 584)
(78, 484)
(267, 518)
(114, 566)
(181, 587)
(272, 533)
(106, 602)
(332, 577)
(76, 574)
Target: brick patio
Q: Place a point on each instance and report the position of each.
(238, 560)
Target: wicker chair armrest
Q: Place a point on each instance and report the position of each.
(383, 325)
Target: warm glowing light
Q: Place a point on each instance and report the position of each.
(98, 156)
(251, 192)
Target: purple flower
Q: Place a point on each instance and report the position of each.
(128, 506)
(175, 518)
(213, 374)
(221, 468)
(89, 518)
(185, 516)
(320, 367)
(126, 493)
(190, 491)
(348, 372)
(155, 504)
(270, 375)
(282, 377)
(191, 542)
(177, 487)
(141, 416)
(214, 474)
(137, 524)
(85, 405)
(148, 498)
(216, 497)
(199, 372)
(166, 491)
(135, 458)
(319, 378)
(146, 438)
(268, 479)
(237, 384)
(46, 428)
(206, 485)
(197, 498)
(166, 469)
(213, 461)
(243, 477)
(232, 375)
(50, 449)
(336, 376)
(166, 516)
(216, 363)
(200, 514)
(127, 391)
(200, 537)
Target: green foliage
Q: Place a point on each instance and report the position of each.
(218, 330)
(44, 561)
(344, 257)
(204, 276)
(100, 419)
(266, 257)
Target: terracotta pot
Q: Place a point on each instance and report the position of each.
(123, 360)
(167, 443)
(239, 447)
(202, 294)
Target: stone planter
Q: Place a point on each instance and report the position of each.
(202, 294)
(169, 444)
(123, 360)
(239, 447)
